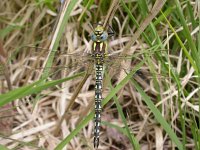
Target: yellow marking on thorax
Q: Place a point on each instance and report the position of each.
(94, 46)
(106, 50)
(101, 46)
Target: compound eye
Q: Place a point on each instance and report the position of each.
(104, 36)
(93, 37)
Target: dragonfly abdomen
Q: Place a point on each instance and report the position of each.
(98, 99)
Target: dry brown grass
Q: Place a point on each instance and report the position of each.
(26, 25)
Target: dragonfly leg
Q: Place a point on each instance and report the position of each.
(111, 32)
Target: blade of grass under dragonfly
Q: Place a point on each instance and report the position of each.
(71, 102)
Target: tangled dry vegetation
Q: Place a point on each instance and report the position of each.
(30, 121)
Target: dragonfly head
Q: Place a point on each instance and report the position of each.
(99, 35)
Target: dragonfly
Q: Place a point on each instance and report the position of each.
(101, 58)
(99, 52)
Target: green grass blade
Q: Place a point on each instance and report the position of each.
(182, 45)
(134, 21)
(3, 147)
(131, 137)
(62, 23)
(65, 141)
(59, 30)
(7, 30)
(143, 8)
(167, 12)
(185, 26)
(32, 89)
(158, 115)
(87, 6)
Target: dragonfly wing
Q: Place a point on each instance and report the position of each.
(30, 68)
(39, 51)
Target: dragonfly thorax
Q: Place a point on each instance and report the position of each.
(99, 57)
(99, 50)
